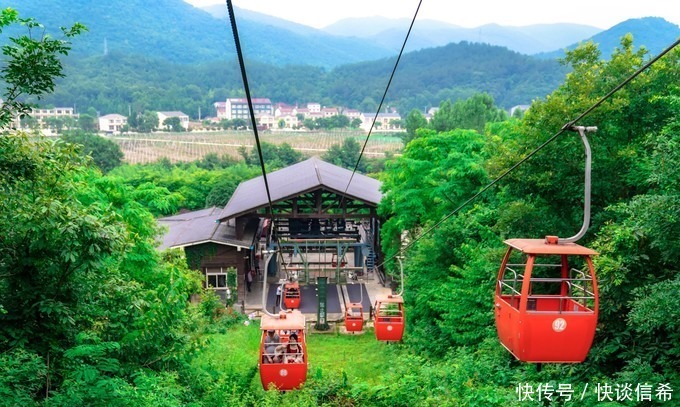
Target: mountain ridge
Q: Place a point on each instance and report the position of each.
(180, 33)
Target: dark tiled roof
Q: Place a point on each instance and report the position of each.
(299, 178)
(215, 225)
(203, 226)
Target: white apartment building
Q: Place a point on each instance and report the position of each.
(111, 123)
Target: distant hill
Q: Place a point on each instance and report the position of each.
(455, 71)
(528, 40)
(118, 83)
(178, 32)
(170, 29)
(655, 33)
(168, 55)
(175, 31)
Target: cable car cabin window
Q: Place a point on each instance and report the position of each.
(557, 284)
(390, 311)
(510, 283)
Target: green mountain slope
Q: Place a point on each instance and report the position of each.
(654, 33)
(117, 82)
(178, 32)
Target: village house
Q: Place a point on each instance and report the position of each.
(111, 123)
(281, 116)
(183, 118)
(384, 121)
(220, 110)
(329, 112)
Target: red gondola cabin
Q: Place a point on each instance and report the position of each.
(291, 295)
(389, 318)
(334, 261)
(546, 301)
(283, 364)
(354, 317)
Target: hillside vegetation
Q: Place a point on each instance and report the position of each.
(137, 57)
(91, 313)
(119, 83)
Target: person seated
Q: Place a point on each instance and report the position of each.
(293, 351)
(271, 342)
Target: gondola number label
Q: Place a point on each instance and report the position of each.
(559, 325)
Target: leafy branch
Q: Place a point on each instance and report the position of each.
(32, 63)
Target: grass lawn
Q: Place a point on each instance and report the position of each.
(361, 357)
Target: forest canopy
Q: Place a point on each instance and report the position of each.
(91, 313)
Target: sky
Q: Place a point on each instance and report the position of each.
(602, 14)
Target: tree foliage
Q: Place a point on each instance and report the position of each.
(32, 63)
(450, 270)
(105, 153)
(92, 314)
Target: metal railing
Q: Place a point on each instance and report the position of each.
(579, 289)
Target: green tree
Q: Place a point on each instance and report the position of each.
(274, 156)
(28, 122)
(345, 155)
(55, 123)
(147, 122)
(174, 124)
(311, 124)
(368, 105)
(31, 63)
(105, 153)
(87, 122)
(239, 124)
(87, 304)
(44, 260)
(338, 122)
(436, 172)
(414, 121)
(473, 113)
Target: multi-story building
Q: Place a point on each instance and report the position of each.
(220, 110)
(112, 123)
(329, 112)
(58, 112)
(352, 114)
(270, 115)
(384, 121)
(41, 115)
(314, 107)
(237, 108)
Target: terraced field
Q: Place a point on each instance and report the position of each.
(146, 148)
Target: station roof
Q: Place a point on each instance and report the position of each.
(300, 178)
(216, 225)
(203, 226)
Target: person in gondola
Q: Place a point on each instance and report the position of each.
(271, 342)
(292, 351)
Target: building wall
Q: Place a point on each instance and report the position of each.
(211, 257)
